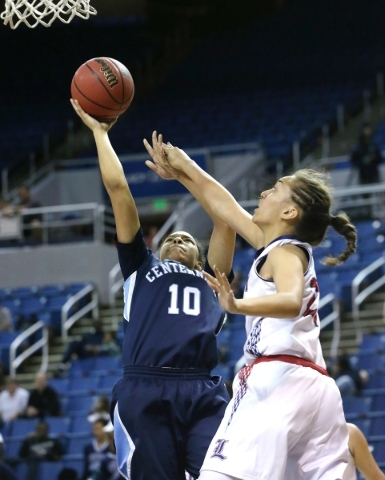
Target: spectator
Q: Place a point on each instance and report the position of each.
(13, 401)
(6, 324)
(366, 157)
(39, 446)
(82, 348)
(31, 223)
(100, 409)
(6, 473)
(109, 464)
(95, 451)
(109, 345)
(348, 380)
(43, 400)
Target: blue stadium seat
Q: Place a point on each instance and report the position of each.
(378, 445)
(373, 342)
(22, 470)
(49, 470)
(89, 384)
(23, 426)
(356, 405)
(57, 302)
(82, 365)
(59, 384)
(376, 380)
(58, 425)
(368, 361)
(25, 292)
(77, 442)
(377, 426)
(109, 381)
(378, 400)
(12, 446)
(80, 403)
(53, 290)
(80, 423)
(111, 363)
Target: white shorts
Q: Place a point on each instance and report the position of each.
(289, 425)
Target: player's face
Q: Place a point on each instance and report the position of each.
(180, 246)
(273, 202)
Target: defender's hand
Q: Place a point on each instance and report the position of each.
(221, 285)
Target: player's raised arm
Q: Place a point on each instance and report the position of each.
(125, 212)
(285, 303)
(214, 198)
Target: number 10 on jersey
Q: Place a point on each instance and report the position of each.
(191, 304)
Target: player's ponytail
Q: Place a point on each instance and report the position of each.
(342, 225)
(311, 192)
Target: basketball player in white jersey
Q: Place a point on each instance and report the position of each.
(285, 420)
(360, 457)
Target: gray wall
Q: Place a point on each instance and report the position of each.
(67, 263)
(70, 187)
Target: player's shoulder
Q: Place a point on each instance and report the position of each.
(288, 251)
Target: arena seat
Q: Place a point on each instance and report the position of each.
(356, 405)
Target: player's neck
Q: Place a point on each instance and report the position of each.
(270, 233)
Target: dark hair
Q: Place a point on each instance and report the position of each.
(68, 474)
(311, 192)
(101, 420)
(201, 254)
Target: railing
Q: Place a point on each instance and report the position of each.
(335, 317)
(359, 297)
(50, 221)
(16, 360)
(67, 321)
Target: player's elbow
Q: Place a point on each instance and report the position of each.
(293, 306)
(116, 186)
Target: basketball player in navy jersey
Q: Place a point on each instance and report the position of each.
(167, 407)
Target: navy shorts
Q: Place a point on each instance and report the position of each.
(164, 421)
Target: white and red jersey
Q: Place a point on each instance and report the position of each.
(297, 336)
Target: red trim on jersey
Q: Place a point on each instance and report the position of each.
(292, 359)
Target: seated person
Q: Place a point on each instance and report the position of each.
(83, 348)
(39, 446)
(43, 400)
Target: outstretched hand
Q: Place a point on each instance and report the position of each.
(160, 164)
(168, 161)
(221, 285)
(91, 122)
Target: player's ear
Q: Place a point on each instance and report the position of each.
(290, 211)
(198, 266)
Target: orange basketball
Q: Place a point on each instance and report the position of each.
(103, 87)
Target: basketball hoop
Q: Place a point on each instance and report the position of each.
(44, 12)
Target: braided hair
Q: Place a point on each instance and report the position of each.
(311, 191)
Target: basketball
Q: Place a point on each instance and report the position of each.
(103, 87)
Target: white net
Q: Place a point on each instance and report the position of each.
(44, 12)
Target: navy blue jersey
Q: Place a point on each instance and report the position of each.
(93, 456)
(171, 315)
